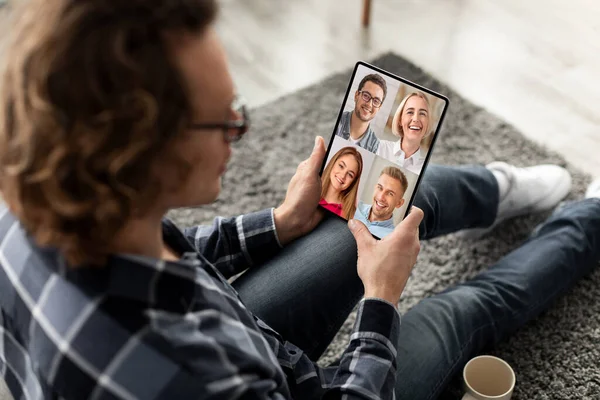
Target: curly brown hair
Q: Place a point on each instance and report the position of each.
(89, 101)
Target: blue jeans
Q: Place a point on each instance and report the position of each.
(307, 291)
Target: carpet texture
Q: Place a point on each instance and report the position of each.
(555, 356)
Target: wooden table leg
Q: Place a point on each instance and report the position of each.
(366, 17)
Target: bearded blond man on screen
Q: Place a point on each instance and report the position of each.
(388, 196)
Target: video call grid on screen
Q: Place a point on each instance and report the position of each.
(373, 175)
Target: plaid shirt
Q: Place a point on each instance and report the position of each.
(142, 328)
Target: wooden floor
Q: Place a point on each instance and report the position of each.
(535, 63)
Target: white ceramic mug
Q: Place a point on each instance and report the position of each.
(488, 377)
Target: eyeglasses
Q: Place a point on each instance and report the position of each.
(366, 96)
(233, 129)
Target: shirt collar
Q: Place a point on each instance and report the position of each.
(387, 223)
(365, 134)
(419, 154)
(364, 209)
(399, 152)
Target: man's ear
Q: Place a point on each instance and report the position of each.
(400, 204)
(356, 96)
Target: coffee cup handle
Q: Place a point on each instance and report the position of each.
(467, 396)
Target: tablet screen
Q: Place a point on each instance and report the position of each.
(380, 147)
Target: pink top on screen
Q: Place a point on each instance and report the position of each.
(333, 207)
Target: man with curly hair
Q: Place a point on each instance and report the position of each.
(112, 112)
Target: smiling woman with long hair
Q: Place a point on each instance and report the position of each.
(340, 182)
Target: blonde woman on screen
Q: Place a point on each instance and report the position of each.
(339, 182)
(411, 125)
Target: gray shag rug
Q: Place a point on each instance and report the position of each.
(556, 356)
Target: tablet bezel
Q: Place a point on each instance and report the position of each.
(433, 141)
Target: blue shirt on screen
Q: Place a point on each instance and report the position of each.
(377, 228)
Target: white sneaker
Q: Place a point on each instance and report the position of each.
(593, 190)
(525, 191)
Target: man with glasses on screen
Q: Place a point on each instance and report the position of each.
(387, 197)
(355, 125)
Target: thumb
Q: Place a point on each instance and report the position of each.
(412, 221)
(318, 154)
(361, 234)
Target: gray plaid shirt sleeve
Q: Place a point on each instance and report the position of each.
(234, 244)
(367, 368)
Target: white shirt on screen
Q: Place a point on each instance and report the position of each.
(393, 152)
